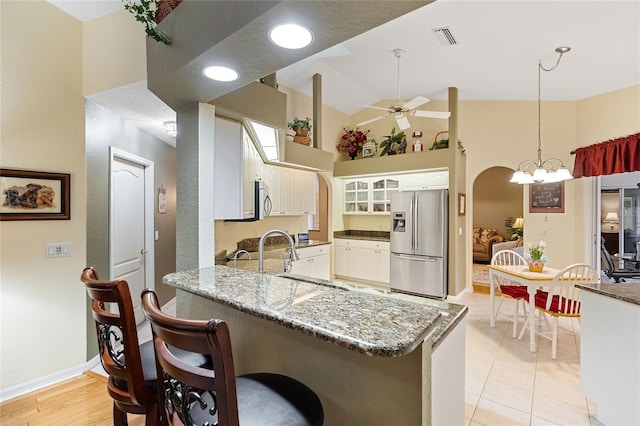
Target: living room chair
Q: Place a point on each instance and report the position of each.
(194, 395)
(131, 367)
(610, 270)
(509, 288)
(562, 299)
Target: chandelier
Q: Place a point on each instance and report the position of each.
(547, 171)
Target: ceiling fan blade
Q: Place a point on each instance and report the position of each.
(403, 123)
(416, 102)
(370, 121)
(432, 114)
(378, 108)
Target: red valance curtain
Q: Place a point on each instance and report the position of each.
(607, 158)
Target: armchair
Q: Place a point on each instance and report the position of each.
(483, 241)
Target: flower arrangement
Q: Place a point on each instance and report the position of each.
(301, 124)
(352, 141)
(536, 251)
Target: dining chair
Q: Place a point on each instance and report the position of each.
(131, 366)
(562, 299)
(194, 395)
(510, 289)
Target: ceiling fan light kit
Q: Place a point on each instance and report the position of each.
(401, 111)
(547, 171)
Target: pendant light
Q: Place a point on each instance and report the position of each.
(547, 171)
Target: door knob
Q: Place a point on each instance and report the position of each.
(143, 252)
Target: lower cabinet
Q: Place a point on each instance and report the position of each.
(314, 262)
(363, 260)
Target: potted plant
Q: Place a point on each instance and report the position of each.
(302, 127)
(145, 12)
(392, 144)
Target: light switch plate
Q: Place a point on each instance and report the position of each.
(57, 249)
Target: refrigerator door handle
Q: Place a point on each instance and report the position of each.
(416, 225)
(418, 258)
(413, 223)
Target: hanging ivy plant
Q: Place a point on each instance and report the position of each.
(145, 12)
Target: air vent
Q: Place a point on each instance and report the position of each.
(444, 36)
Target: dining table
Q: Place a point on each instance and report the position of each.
(522, 275)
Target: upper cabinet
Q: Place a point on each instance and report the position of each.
(372, 195)
(237, 166)
(292, 191)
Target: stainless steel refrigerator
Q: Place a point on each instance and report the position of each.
(419, 242)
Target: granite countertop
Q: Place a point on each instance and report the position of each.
(372, 322)
(353, 234)
(629, 293)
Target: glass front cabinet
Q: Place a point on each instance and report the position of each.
(369, 195)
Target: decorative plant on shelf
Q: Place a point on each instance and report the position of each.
(352, 141)
(444, 143)
(145, 12)
(298, 125)
(392, 144)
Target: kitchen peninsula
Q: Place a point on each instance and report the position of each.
(372, 357)
(610, 349)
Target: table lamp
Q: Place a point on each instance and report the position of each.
(518, 225)
(611, 218)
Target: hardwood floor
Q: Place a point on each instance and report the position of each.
(82, 400)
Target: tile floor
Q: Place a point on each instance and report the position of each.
(506, 384)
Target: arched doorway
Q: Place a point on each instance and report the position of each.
(496, 202)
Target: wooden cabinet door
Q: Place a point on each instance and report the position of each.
(319, 267)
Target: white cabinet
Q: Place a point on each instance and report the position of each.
(372, 195)
(363, 260)
(305, 192)
(369, 195)
(292, 192)
(427, 180)
(377, 261)
(281, 190)
(237, 165)
(314, 262)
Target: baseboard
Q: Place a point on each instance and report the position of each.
(60, 376)
(47, 380)
(458, 296)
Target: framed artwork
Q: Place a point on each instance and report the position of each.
(546, 197)
(31, 195)
(462, 199)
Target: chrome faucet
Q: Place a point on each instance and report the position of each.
(238, 254)
(293, 256)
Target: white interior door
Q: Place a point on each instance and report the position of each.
(131, 224)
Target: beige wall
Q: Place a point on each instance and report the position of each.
(43, 302)
(114, 52)
(495, 200)
(229, 233)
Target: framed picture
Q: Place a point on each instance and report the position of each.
(30, 195)
(462, 199)
(546, 197)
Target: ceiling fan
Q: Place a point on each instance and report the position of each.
(401, 111)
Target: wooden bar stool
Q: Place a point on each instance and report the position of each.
(132, 381)
(204, 396)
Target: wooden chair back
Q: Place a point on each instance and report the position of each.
(181, 380)
(117, 342)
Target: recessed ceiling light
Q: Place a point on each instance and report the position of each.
(220, 73)
(291, 36)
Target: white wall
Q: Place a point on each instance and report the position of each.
(42, 306)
